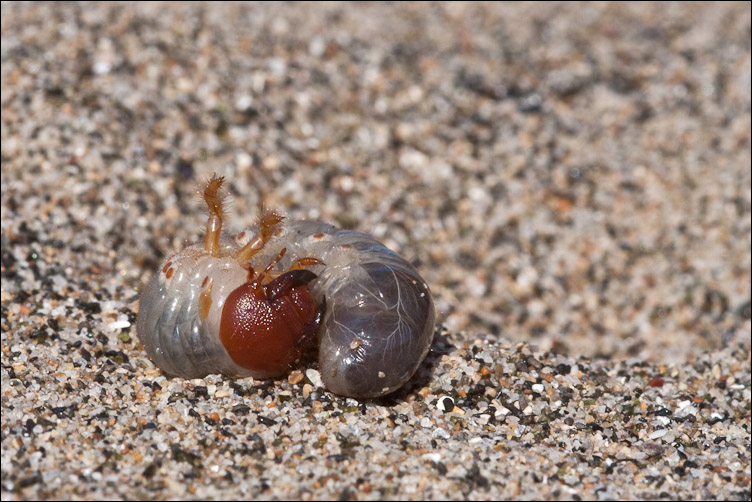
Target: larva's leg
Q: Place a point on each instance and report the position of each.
(268, 222)
(304, 262)
(214, 223)
(298, 264)
(259, 278)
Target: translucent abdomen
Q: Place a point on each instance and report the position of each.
(379, 317)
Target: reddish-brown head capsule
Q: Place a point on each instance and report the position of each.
(266, 328)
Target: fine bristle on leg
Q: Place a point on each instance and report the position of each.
(214, 223)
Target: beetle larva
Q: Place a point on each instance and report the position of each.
(365, 308)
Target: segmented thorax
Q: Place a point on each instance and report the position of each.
(181, 308)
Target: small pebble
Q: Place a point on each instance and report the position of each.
(314, 377)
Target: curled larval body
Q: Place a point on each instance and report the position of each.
(376, 312)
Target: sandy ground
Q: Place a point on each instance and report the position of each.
(572, 180)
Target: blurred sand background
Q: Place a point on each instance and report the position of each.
(573, 176)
